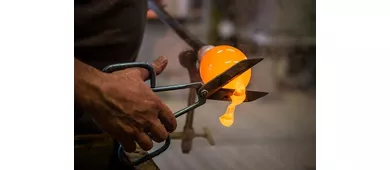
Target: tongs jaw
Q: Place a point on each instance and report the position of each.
(211, 90)
(224, 95)
(214, 89)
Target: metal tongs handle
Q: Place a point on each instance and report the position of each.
(201, 97)
(152, 77)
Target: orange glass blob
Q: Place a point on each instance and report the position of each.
(217, 60)
(220, 58)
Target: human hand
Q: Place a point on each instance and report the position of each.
(126, 108)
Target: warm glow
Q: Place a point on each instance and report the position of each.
(217, 60)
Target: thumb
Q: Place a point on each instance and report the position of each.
(159, 65)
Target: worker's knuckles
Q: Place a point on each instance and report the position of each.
(149, 103)
(126, 133)
(143, 116)
(129, 73)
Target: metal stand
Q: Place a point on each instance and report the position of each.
(188, 60)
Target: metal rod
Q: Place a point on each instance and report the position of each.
(190, 114)
(153, 154)
(177, 87)
(122, 66)
(194, 106)
(183, 33)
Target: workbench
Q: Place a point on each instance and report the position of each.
(99, 152)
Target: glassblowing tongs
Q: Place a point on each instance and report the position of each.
(211, 90)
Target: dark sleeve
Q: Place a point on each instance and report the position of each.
(108, 31)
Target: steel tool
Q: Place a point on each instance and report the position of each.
(211, 90)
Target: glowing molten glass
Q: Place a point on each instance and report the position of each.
(217, 60)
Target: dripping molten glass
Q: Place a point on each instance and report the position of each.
(217, 60)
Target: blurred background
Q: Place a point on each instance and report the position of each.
(275, 132)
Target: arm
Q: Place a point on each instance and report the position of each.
(86, 81)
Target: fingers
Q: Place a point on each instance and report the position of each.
(144, 141)
(128, 138)
(124, 134)
(128, 144)
(158, 131)
(159, 65)
(167, 118)
(158, 134)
